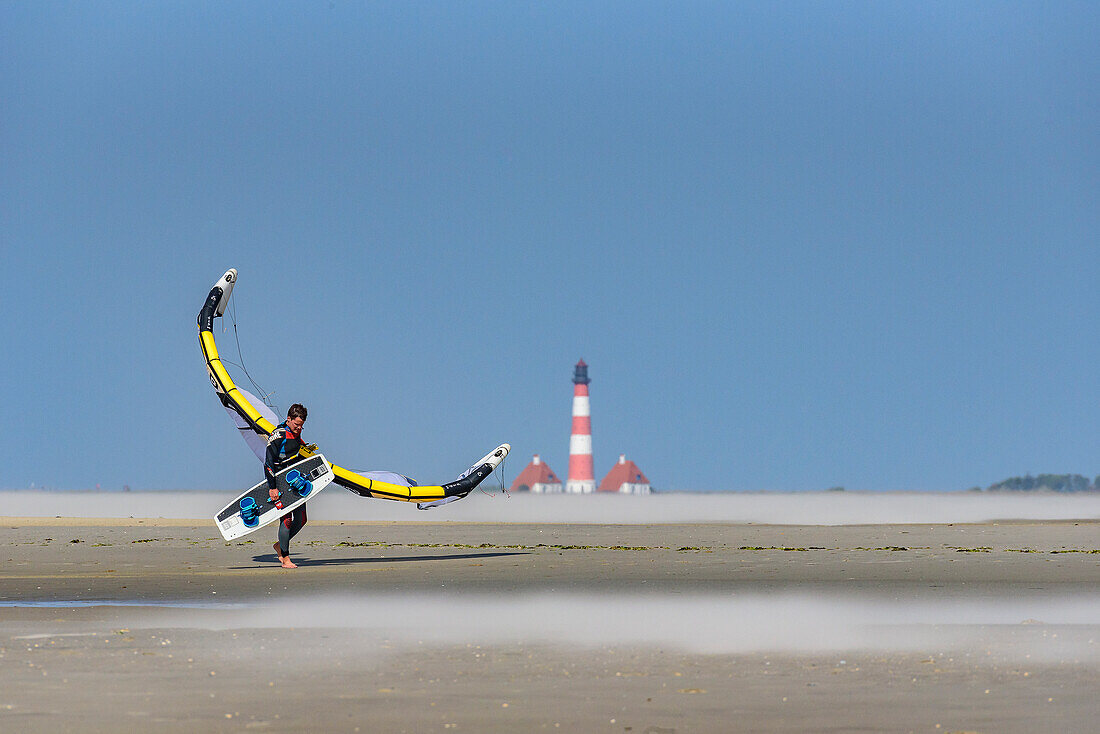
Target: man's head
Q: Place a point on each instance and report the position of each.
(295, 417)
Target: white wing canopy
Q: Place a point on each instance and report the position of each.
(256, 441)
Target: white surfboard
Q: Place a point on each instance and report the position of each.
(297, 483)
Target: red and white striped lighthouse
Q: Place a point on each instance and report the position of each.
(581, 479)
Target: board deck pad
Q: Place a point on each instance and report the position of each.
(315, 469)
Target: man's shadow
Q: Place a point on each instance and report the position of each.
(266, 558)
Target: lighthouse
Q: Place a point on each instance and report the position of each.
(582, 479)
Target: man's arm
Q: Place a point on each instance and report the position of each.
(271, 458)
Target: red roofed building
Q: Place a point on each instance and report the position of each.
(626, 478)
(537, 477)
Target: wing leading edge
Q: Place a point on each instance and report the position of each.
(235, 401)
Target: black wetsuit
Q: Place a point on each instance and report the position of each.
(283, 447)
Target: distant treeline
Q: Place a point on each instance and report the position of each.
(1046, 483)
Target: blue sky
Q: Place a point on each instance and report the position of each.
(800, 244)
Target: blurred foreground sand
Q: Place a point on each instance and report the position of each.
(518, 627)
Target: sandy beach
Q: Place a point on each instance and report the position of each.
(492, 627)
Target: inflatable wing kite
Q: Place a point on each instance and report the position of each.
(256, 423)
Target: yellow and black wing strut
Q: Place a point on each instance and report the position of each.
(235, 400)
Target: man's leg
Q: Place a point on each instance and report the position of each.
(298, 522)
(288, 528)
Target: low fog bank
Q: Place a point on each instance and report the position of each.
(804, 508)
(1039, 627)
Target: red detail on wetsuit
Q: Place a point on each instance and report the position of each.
(288, 519)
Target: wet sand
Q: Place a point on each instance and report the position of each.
(485, 627)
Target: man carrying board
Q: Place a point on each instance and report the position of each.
(282, 447)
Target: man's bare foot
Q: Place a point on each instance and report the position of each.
(284, 561)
